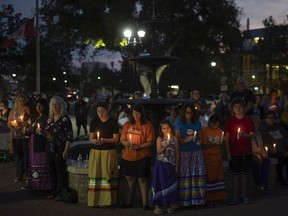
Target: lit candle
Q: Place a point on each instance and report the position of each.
(274, 146)
(21, 118)
(130, 138)
(98, 135)
(222, 136)
(238, 133)
(266, 149)
(38, 126)
(168, 136)
(195, 134)
(14, 123)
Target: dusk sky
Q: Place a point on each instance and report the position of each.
(256, 10)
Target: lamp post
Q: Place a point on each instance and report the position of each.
(14, 81)
(133, 40)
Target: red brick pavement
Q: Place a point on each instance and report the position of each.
(17, 202)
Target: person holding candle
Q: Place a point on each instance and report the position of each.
(18, 141)
(164, 178)
(135, 161)
(38, 164)
(192, 172)
(59, 136)
(273, 133)
(103, 164)
(213, 139)
(239, 150)
(260, 160)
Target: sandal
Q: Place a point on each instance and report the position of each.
(158, 211)
(170, 210)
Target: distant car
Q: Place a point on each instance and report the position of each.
(212, 98)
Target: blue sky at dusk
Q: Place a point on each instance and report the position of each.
(256, 10)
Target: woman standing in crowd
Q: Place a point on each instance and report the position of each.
(239, 130)
(276, 139)
(164, 178)
(137, 136)
(18, 141)
(103, 164)
(260, 161)
(38, 166)
(192, 173)
(213, 138)
(4, 113)
(59, 135)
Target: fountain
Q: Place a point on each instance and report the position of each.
(154, 106)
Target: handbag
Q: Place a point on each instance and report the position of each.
(69, 195)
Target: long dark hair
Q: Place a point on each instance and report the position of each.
(164, 121)
(195, 114)
(139, 108)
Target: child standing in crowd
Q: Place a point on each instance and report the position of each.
(260, 161)
(213, 138)
(192, 173)
(164, 179)
(239, 129)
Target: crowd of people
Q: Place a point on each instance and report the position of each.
(245, 129)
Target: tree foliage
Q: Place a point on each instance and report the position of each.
(196, 31)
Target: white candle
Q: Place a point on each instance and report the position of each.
(274, 146)
(238, 133)
(21, 118)
(98, 135)
(130, 138)
(266, 149)
(168, 136)
(222, 136)
(195, 134)
(38, 125)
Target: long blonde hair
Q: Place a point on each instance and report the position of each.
(57, 99)
(16, 103)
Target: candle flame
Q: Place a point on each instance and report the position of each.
(266, 148)
(168, 136)
(274, 145)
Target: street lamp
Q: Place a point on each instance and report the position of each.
(213, 64)
(128, 34)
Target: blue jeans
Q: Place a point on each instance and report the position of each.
(260, 170)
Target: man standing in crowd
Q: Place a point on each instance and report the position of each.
(245, 94)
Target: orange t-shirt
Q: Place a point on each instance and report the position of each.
(139, 134)
(211, 136)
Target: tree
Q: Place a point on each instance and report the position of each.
(192, 27)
